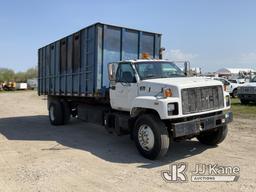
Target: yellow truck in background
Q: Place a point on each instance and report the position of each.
(9, 86)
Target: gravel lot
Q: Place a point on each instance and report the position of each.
(35, 156)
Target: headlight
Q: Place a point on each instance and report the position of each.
(167, 92)
(172, 108)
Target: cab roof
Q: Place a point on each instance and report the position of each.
(144, 60)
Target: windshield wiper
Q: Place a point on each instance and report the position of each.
(173, 75)
(151, 77)
(155, 77)
(178, 75)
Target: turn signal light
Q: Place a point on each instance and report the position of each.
(167, 93)
(225, 87)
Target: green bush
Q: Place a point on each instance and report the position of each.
(10, 75)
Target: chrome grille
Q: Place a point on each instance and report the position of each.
(201, 99)
(246, 90)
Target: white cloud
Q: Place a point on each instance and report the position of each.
(248, 58)
(178, 55)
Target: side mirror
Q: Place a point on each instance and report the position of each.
(226, 83)
(161, 51)
(187, 68)
(112, 71)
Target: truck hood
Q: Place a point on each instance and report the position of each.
(183, 82)
(154, 87)
(251, 84)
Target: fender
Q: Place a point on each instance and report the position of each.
(150, 102)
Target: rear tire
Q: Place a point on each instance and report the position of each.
(213, 137)
(56, 113)
(151, 136)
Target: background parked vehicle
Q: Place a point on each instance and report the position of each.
(247, 92)
(32, 83)
(237, 81)
(9, 86)
(21, 86)
(231, 87)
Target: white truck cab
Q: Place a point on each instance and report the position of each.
(160, 85)
(160, 98)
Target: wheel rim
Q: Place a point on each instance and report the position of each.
(51, 110)
(146, 137)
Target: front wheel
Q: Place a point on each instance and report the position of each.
(151, 136)
(234, 94)
(213, 137)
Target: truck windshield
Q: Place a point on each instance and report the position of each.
(153, 70)
(253, 79)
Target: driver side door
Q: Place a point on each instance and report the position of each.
(124, 90)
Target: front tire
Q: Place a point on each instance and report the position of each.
(213, 137)
(151, 136)
(234, 94)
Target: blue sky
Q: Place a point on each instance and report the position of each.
(211, 34)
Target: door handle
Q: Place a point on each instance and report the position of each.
(113, 87)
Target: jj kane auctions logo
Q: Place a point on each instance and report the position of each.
(201, 173)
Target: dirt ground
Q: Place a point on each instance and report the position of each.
(35, 156)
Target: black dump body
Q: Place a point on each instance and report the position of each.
(76, 65)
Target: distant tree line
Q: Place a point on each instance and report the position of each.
(10, 75)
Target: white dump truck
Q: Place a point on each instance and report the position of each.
(95, 75)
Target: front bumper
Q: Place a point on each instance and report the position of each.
(249, 97)
(196, 126)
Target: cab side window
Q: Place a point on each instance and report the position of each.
(125, 73)
(226, 82)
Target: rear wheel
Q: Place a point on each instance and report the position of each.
(151, 136)
(213, 137)
(59, 112)
(56, 113)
